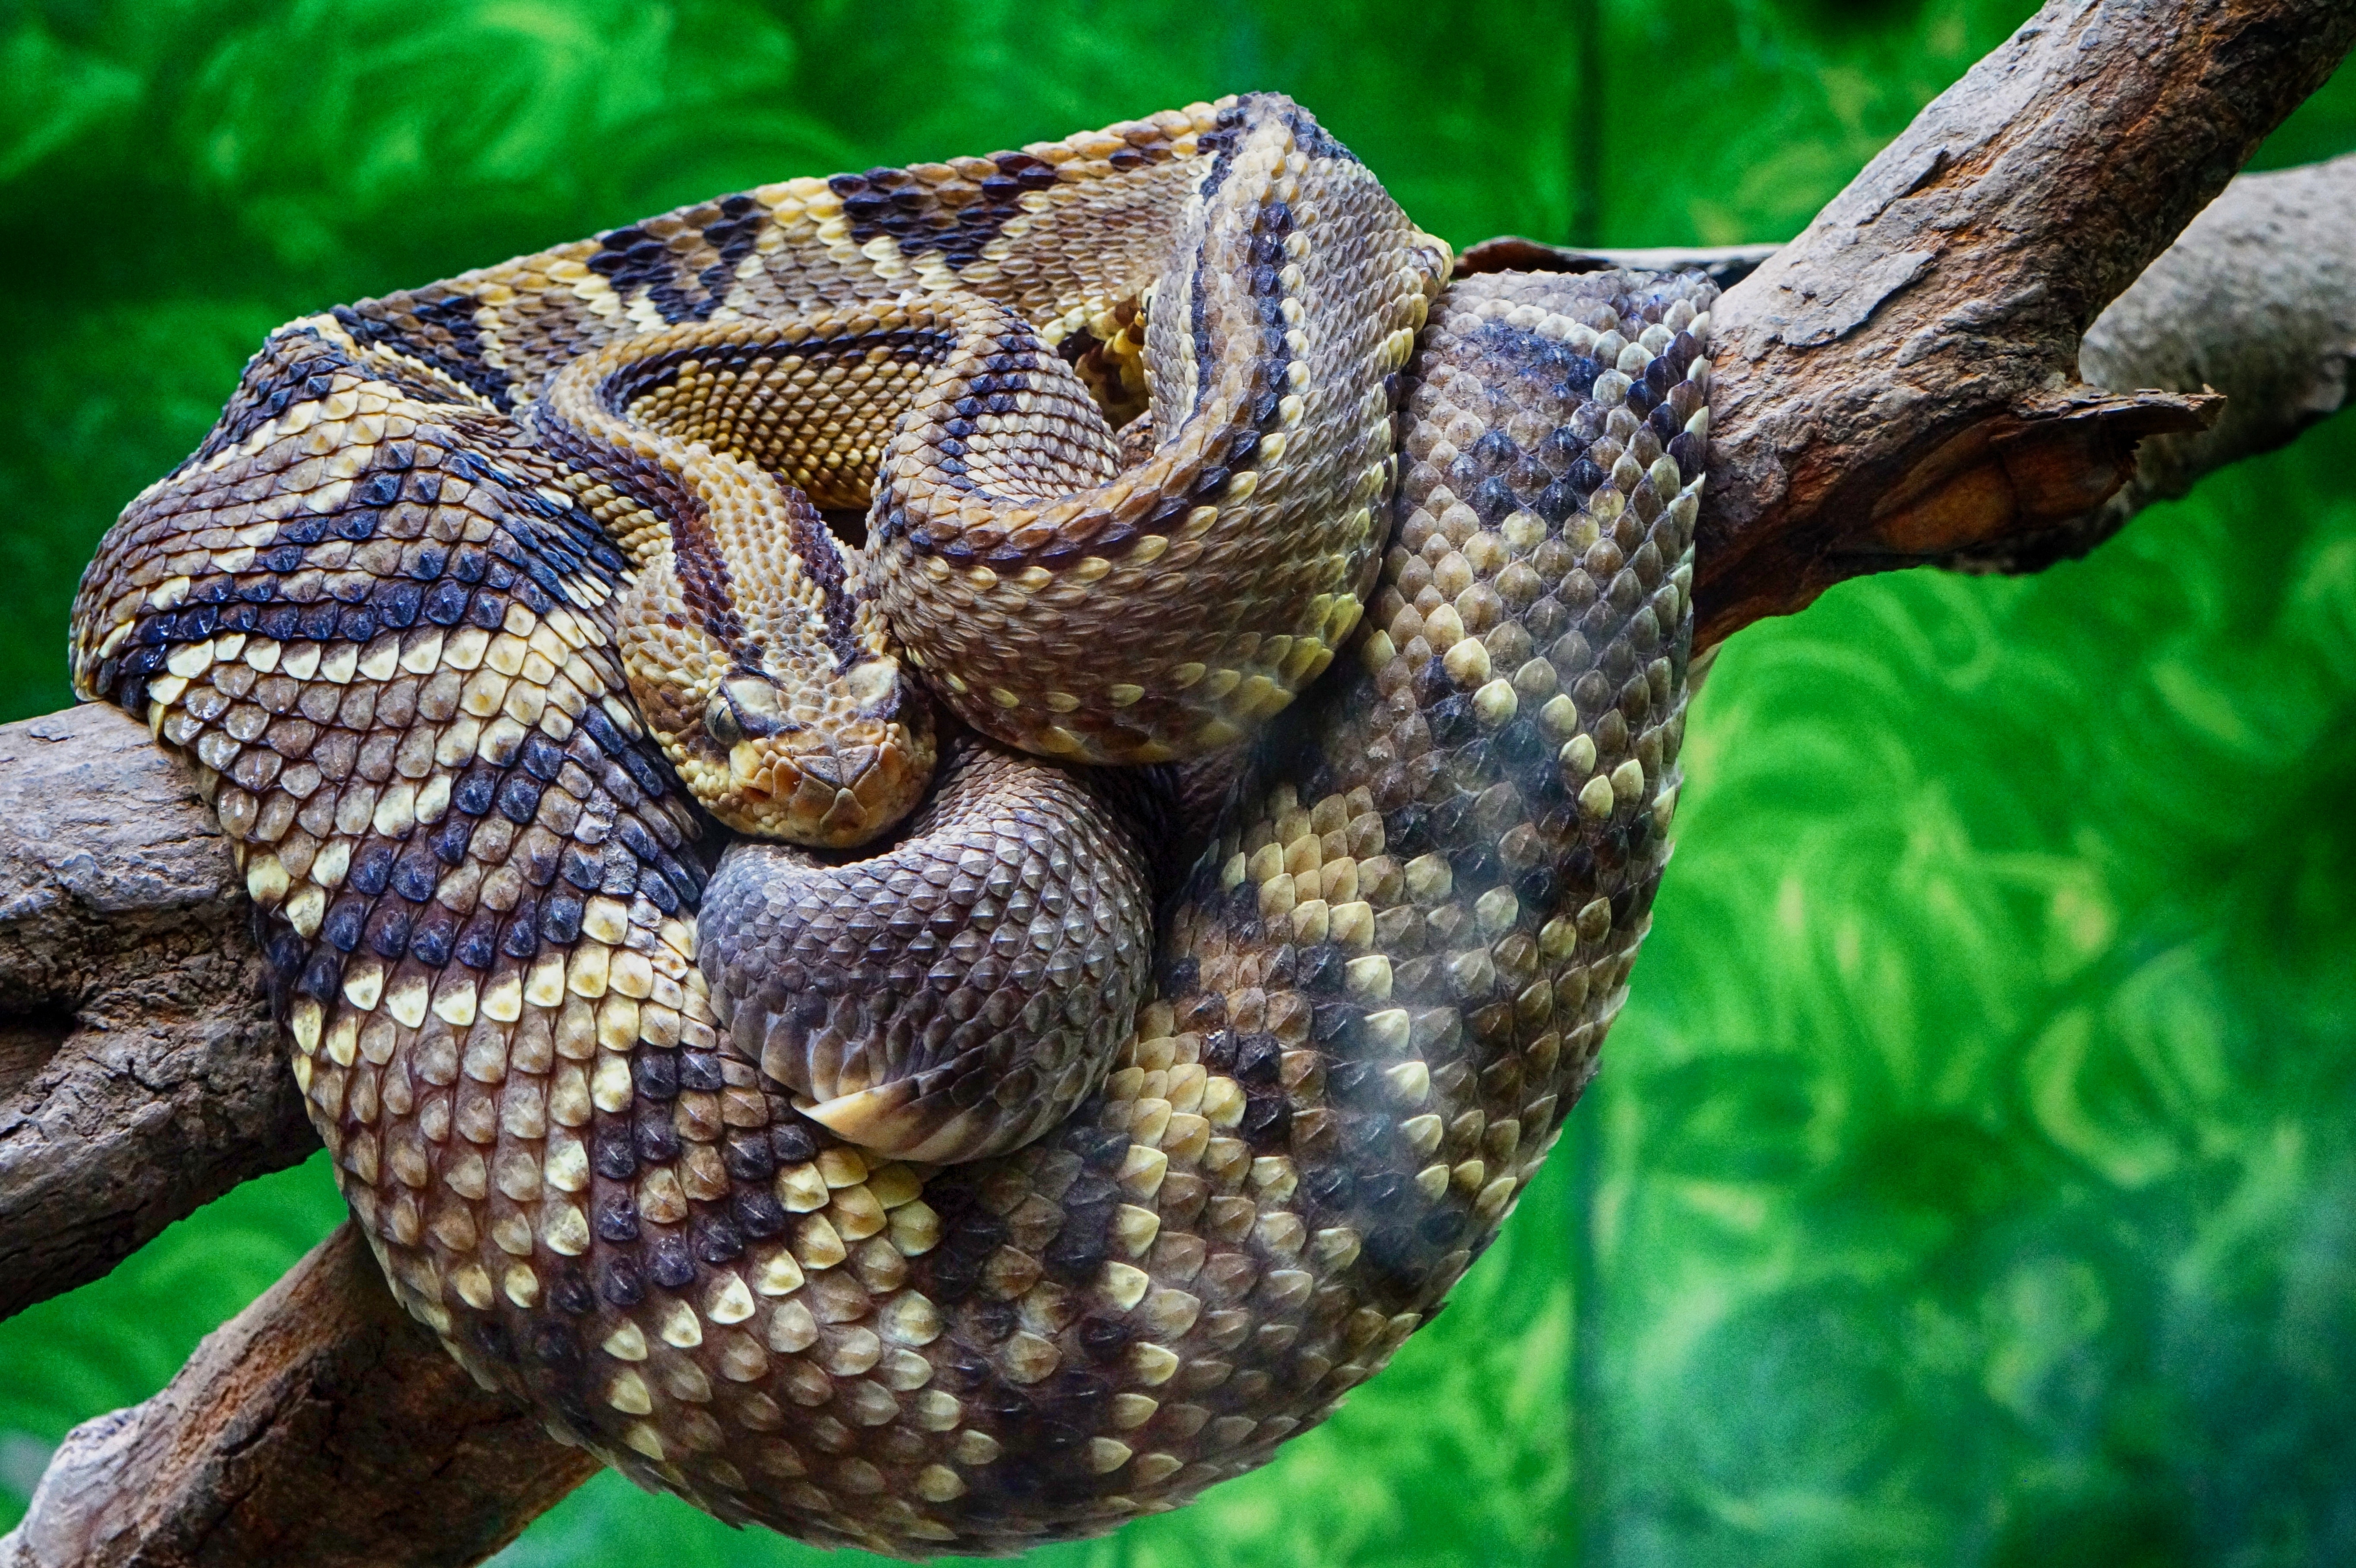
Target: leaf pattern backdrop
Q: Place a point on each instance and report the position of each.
(1972, 1179)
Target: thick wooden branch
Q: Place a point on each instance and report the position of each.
(140, 1075)
(1896, 386)
(1896, 389)
(319, 1427)
(2257, 300)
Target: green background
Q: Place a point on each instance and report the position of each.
(1972, 1179)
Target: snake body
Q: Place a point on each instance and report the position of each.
(571, 1079)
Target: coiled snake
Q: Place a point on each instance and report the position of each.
(921, 1197)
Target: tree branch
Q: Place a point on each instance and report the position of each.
(1896, 385)
(1896, 389)
(319, 1427)
(2258, 301)
(140, 1075)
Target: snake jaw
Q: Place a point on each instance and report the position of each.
(832, 795)
(759, 767)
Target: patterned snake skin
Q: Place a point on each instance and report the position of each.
(567, 1072)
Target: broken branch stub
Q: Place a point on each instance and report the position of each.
(1896, 386)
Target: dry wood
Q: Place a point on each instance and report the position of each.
(1896, 389)
(2257, 300)
(1897, 385)
(319, 1427)
(140, 1075)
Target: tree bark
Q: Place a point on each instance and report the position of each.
(319, 1427)
(140, 1075)
(2258, 300)
(1896, 388)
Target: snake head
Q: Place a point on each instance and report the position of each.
(831, 777)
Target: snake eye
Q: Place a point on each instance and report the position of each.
(745, 705)
(720, 721)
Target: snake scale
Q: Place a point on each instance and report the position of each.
(1014, 1175)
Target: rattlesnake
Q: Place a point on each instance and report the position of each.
(1136, 418)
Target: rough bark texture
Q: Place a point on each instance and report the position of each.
(2257, 300)
(1897, 390)
(140, 1075)
(1896, 384)
(319, 1427)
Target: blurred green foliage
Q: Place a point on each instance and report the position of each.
(1973, 1180)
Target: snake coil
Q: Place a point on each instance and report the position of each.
(381, 608)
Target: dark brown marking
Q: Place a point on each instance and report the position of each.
(440, 331)
(822, 560)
